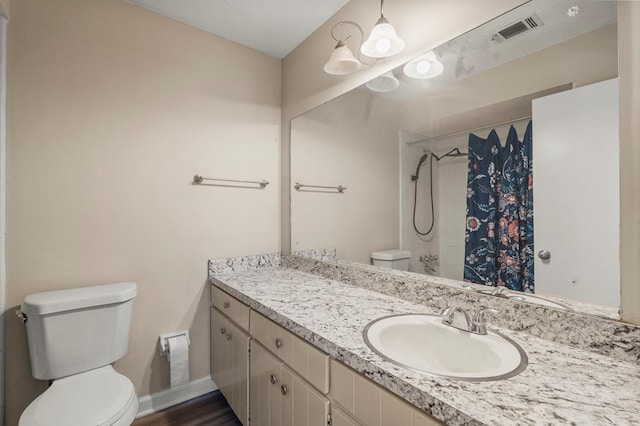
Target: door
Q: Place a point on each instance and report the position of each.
(576, 193)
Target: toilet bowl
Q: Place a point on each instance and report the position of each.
(74, 336)
(394, 259)
(98, 397)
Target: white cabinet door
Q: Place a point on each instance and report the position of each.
(301, 404)
(264, 387)
(238, 369)
(219, 352)
(279, 397)
(230, 363)
(576, 193)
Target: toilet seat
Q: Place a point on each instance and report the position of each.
(101, 397)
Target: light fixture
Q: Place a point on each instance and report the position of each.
(424, 66)
(341, 61)
(382, 42)
(383, 83)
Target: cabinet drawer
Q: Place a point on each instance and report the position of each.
(231, 307)
(370, 403)
(309, 362)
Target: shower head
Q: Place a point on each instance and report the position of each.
(424, 157)
(455, 152)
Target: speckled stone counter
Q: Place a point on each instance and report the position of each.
(561, 385)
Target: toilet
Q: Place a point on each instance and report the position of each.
(394, 259)
(74, 336)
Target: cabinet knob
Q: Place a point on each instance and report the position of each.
(223, 330)
(278, 343)
(228, 337)
(226, 305)
(273, 379)
(284, 389)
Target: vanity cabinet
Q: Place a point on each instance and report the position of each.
(278, 396)
(271, 377)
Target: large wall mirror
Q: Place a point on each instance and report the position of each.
(492, 159)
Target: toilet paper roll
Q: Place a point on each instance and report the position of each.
(179, 359)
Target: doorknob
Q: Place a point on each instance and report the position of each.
(544, 254)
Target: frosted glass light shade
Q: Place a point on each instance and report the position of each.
(383, 41)
(341, 61)
(425, 66)
(384, 83)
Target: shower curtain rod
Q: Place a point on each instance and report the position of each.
(448, 135)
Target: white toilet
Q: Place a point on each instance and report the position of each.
(394, 259)
(74, 337)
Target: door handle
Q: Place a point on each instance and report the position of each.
(544, 254)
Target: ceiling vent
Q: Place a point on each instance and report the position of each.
(517, 28)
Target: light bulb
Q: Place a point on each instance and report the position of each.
(383, 45)
(422, 67)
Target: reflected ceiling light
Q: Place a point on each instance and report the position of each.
(383, 83)
(425, 66)
(382, 42)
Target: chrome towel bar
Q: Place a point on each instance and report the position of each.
(338, 188)
(199, 180)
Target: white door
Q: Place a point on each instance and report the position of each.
(576, 193)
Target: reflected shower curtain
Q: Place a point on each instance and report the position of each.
(499, 232)
(480, 250)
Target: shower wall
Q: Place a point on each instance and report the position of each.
(449, 200)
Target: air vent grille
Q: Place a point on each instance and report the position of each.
(517, 28)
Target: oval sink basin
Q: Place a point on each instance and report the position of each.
(420, 342)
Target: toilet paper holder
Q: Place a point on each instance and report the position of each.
(164, 341)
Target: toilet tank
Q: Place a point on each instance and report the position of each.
(394, 259)
(76, 330)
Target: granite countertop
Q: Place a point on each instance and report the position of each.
(561, 385)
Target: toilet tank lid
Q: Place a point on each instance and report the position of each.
(77, 298)
(394, 254)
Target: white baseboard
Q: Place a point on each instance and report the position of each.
(148, 404)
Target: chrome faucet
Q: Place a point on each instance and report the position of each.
(455, 316)
(479, 326)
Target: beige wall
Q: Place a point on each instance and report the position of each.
(629, 71)
(351, 141)
(111, 111)
(423, 24)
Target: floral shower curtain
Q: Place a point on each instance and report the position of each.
(499, 233)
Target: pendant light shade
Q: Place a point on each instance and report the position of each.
(423, 67)
(341, 61)
(383, 41)
(384, 83)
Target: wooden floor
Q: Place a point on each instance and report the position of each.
(209, 409)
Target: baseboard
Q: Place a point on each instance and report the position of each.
(148, 404)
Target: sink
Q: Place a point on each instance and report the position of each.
(420, 342)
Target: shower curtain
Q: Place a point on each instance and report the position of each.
(499, 231)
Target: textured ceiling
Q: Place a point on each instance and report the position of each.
(274, 27)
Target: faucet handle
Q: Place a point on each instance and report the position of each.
(479, 325)
(498, 291)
